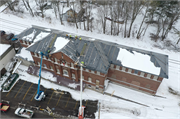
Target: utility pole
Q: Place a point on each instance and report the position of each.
(99, 110)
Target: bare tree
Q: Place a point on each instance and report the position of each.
(136, 8)
(145, 15)
(29, 7)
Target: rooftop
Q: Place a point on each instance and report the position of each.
(97, 54)
(3, 48)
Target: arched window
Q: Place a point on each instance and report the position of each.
(65, 72)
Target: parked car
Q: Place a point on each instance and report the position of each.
(4, 107)
(9, 36)
(24, 112)
(3, 33)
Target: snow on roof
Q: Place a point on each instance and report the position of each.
(138, 61)
(3, 48)
(40, 36)
(25, 54)
(60, 43)
(30, 36)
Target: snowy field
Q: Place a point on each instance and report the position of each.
(111, 108)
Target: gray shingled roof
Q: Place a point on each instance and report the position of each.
(30, 30)
(97, 55)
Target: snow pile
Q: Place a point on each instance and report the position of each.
(3, 48)
(25, 54)
(60, 43)
(137, 61)
(30, 36)
(73, 85)
(48, 75)
(41, 36)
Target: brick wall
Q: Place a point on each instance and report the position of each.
(55, 60)
(133, 80)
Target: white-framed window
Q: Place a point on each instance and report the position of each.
(38, 63)
(149, 76)
(73, 76)
(117, 67)
(123, 69)
(65, 73)
(44, 56)
(97, 82)
(72, 65)
(89, 86)
(155, 77)
(35, 54)
(129, 70)
(142, 74)
(56, 60)
(92, 71)
(89, 79)
(98, 73)
(57, 69)
(45, 66)
(112, 65)
(51, 67)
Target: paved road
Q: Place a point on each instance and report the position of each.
(60, 102)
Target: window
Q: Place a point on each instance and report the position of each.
(39, 55)
(112, 65)
(23, 42)
(44, 56)
(65, 72)
(72, 65)
(98, 72)
(45, 66)
(97, 82)
(73, 76)
(57, 68)
(117, 67)
(149, 76)
(89, 86)
(155, 77)
(142, 74)
(97, 88)
(129, 70)
(123, 68)
(89, 79)
(55, 60)
(38, 63)
(51, 67)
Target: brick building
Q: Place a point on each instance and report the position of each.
(104, 61)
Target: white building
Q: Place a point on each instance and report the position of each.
(7, 52)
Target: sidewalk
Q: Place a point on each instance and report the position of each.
(33, 70)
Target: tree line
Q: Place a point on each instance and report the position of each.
(115, 17)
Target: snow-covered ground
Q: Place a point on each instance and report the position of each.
(112, 108)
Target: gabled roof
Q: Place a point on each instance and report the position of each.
(96, 54)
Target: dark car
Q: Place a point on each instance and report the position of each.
(9, 36)
(2, 33)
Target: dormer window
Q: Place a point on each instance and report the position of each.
(129, 70)
(123, 68)
(117, 67)
(142, 74)
(148, 76)
(155, 77)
